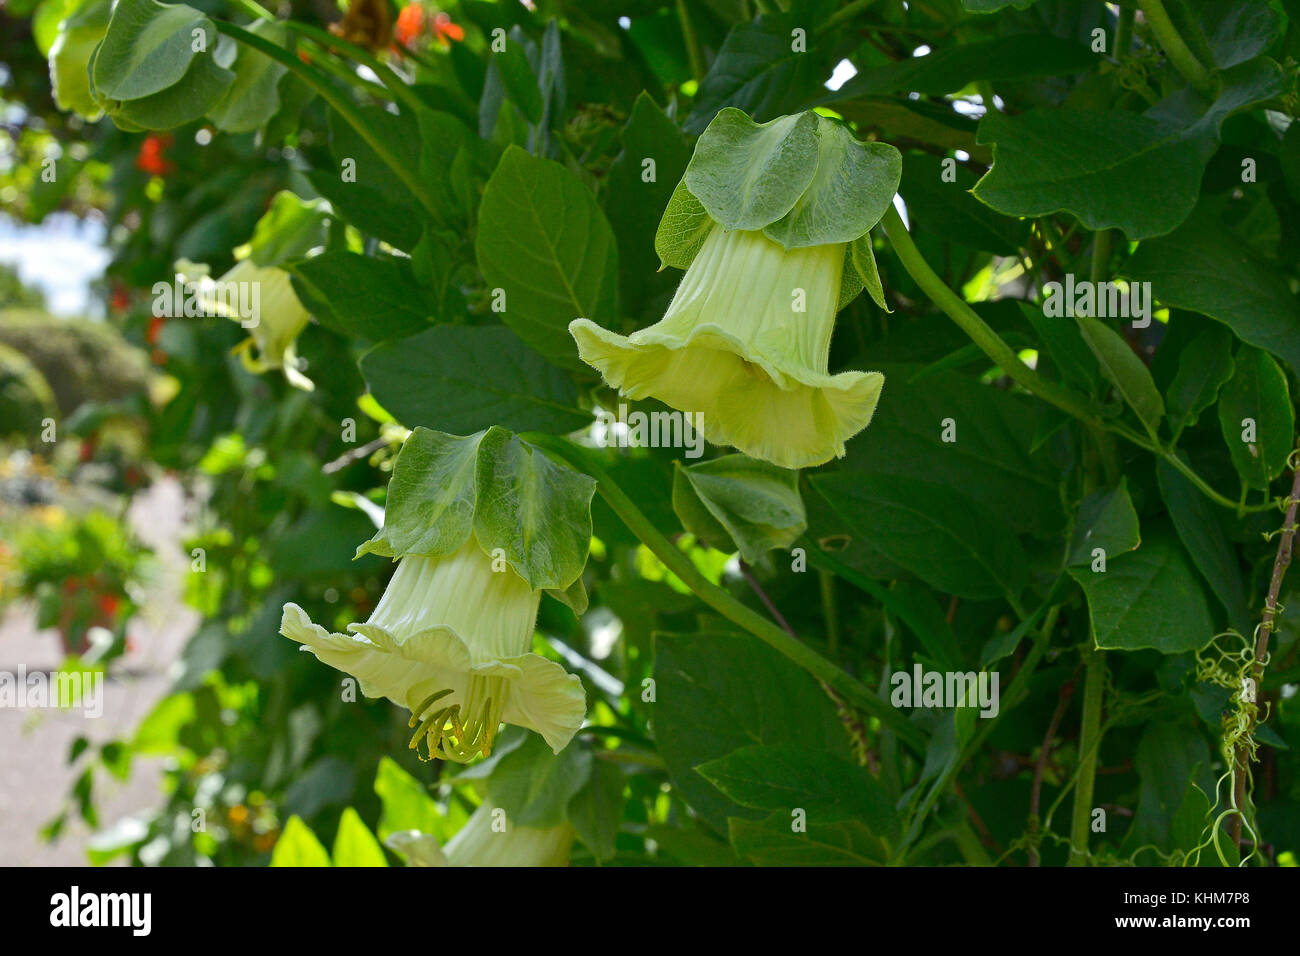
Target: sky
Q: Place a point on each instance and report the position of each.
(61, 256)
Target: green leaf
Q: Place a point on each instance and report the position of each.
(949, 70)
(371, 197)
(737, 498)
(253, 97)
(1064, 346)
(1235, 31)
(1201, 527)
(289, 229)
(1130, 376)
(789, 777)
(634, 205)
(543, 240)
(716, 693)
(365, 297)
(512, 496)
(804, 180)
(774, 842)
(1146, 179)
(69, 47)
(932, 530)
(991, 458)
(758, 70)
(298, 846)
(405, 802)
(535, 786)
(201, 88)
(947, 209)
(431, 496)
(993, 6)
(1256, 405)
(1170, 757)
(1148, 598)
(536, 511)
(148, 48)
(464, 379)
(518, 79)
(354, 844)
(1203, 267)
(899, 117)
(1108, 521)
(596, 810)
(1204, 366)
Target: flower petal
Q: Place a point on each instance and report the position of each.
(405, 673)
(792, 417)
(547, 699)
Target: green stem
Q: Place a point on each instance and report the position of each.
(692, 41)
(975, 327)
(1089, 744)
(830, 611)
(824, 670)
(1123, 32)
(1176, 49)
(339, 103)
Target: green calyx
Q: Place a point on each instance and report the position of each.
(519, 505)
(802, 180)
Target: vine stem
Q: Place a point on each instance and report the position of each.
(976, 328)
(1040, 765)
(769, 633)
(1176, 49)
(1267, 625)
(693, 50)
(1094, 686)
(331, 95)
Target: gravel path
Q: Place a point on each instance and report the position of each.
(34, 777)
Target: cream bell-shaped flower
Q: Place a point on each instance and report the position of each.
(480, 842)
(450, 640)
(745, 343)
(263, 301)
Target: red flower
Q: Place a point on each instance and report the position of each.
(150, 159)
(155, 326)
(410, 24)
(120, 299)
(446, 31)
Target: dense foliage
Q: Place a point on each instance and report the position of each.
(1077, 487)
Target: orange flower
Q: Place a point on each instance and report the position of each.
(151, 158)
(410, 24)
(446, 31)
